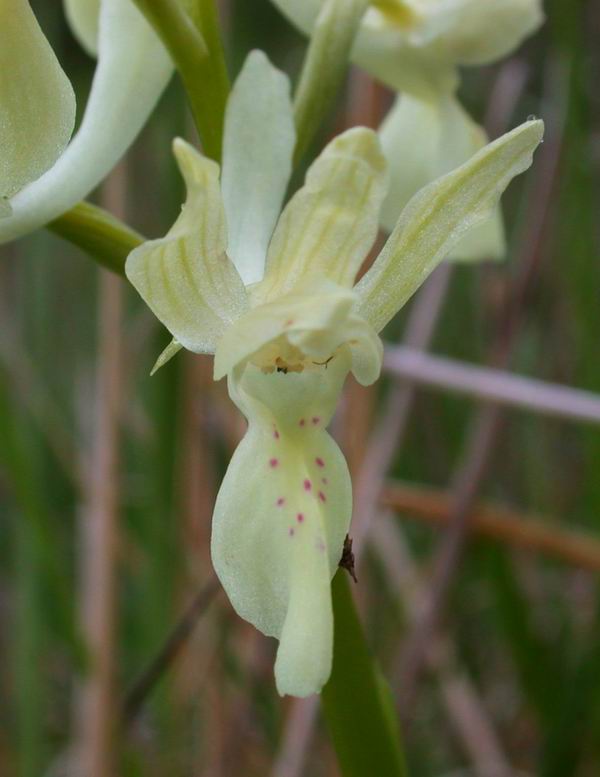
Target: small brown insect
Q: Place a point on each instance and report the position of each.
(347, 560)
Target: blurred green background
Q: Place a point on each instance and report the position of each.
(84, 432)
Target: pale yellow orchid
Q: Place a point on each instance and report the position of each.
(273, 297)
(416, 47)
(42, 174)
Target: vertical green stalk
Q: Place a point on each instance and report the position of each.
(29, 627)
(214, 76)
(357, 705)
(28, 659)
(324, 66)
(182, 26)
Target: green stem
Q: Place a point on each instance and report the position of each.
(107, 240)
(324, 66)
(357, 704)
(189, 31)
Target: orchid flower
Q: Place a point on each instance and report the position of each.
(416, 47)
(42, 174)
(273, 297)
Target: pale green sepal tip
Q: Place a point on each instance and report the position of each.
(169, 352)
(438, 216)
(423, 140)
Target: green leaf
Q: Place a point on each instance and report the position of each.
(356, 702)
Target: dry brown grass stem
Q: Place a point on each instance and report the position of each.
(95, 703)
(532, 533)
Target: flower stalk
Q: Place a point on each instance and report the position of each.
(103, 236)
(189, 32)
(324, 67)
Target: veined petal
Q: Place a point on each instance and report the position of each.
(133, 69)
(257, 161)
(437, 217)
(36, 99)
(186, 278)
(306, 329)
(330, 224)
(84, 18)
(422, 140)
(281, 516)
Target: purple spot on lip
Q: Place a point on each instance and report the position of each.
(322, 496)
(315, 420)
(291, 532)
(307, 485)
(273, 463)
(280, 501)
(300, 517)
(324, 481)
(319, 462)
(276, 434)
(301, 422)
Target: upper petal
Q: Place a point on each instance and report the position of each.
(84, 19)
(437, 217)
(258, 145)
(37, 102)
(186, 277)
(422, 140)
(330, 224)
(133, 69)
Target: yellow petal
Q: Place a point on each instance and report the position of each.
(330, 224)
(186, 278)
(36, 99)
(281, 516)
(436, 217)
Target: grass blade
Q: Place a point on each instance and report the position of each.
(356, 702)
